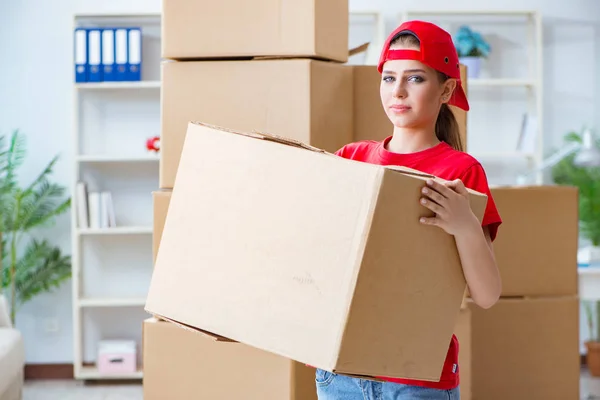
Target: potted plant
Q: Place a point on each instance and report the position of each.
(587, 180)
(471, 48)
(28, 266)
(6, 186)
(592, 345)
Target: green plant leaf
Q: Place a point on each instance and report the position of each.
(13, 157)
(587, 180)
(41, 268)
(40, 204)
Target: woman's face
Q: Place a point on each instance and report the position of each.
(412, 92)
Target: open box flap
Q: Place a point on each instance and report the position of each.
(209, 335)
(264, 136)
(410, 171)
(359, 49)
(351, 52)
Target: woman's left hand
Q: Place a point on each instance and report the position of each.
(450, 203)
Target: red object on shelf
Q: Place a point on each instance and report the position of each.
(153, 144)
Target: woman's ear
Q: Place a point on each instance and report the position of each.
(449, 86)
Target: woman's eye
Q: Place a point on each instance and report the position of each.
(388, 79)
(415, 78)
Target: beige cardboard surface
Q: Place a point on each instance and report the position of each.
(305, 254)
(160, 199)
(183, 365)
(462, 331)
(305, 100)
(526, 349)
(307, 28)
(536, 247)
(370, 119)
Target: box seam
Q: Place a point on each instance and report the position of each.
(359, 250)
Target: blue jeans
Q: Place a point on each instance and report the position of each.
(332, 386)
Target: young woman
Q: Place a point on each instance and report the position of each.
(420, 78)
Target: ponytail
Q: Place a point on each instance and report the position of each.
(446, 128)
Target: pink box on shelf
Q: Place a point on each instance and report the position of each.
(117, 357)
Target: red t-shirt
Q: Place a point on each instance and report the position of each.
(446, 163)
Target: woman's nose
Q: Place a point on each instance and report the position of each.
(399, 90)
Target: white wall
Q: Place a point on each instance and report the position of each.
(36, 96)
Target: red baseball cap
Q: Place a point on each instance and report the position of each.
(437, 51)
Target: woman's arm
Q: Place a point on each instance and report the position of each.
(479, 266)
(450, 202)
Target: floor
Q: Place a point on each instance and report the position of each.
(71, 390)
(75, 390)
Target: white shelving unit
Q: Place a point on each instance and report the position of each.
(493, 131)
(112, 266)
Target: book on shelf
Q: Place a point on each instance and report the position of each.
(528, 135)
(95, 209)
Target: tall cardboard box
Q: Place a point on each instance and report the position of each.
(295, 251)
(305, 100)
(370, 119)
(204, 29)
(526, 349)
(536, 247)
(183, 365)
(527, 345)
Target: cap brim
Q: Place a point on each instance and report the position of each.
(459, 98)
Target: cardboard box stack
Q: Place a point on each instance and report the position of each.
(527, 345)
(269, 65)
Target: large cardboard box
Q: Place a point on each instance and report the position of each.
(183, 365)
(306, 100)
(160, 200)
(526, 349)
(241, 28)
(314, 257)
(370, 119)
(536, 247)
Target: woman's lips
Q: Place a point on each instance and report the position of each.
(399, 108)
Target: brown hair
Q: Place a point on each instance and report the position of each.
(446, 126)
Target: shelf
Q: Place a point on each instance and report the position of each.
(500, 82)
(91, 372)
(118, 85)
(118, 15)
(116, 159)
(112, 302)
(502, 13)
(120, 230)
(588, 271)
